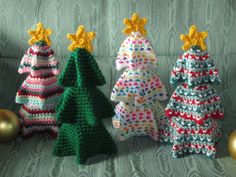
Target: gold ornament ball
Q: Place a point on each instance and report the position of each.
(232, 144)
(9, 125)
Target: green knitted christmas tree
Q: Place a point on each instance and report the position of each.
(82, 105)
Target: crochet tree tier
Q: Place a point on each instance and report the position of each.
(138, 89)
(39, 93)
(82, 106)
(194, 105)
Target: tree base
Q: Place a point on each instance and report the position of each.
(84, 141)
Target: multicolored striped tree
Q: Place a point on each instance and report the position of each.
(194, 105)
(39, 93)
(139, 88)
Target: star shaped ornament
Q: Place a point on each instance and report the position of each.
(81, 39)
(135, 24)
(194, 38)
(40, 34)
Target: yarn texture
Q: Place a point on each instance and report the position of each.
(139, 89)
(39, 93)
(194, 106)
(81, 109)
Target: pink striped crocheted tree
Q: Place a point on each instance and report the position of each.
(39, 93)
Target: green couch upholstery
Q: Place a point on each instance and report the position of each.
(167, 19)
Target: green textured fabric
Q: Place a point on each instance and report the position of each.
(83, 103)
(167, 19)
(83, 141)
(81, 70)
(81, 109)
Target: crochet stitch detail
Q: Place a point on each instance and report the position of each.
(194, 38)
(39, 93)
(81, 39)
(135, 24)
(139, 88)
(194, 105)
(81, 109)
(40, 35)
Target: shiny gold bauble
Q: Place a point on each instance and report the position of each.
(9, 125)
(232, 144)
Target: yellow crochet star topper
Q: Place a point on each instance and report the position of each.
(40, 34)
(194, 38)
(135, 24)
(81, 39)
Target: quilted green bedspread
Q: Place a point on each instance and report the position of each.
(167, 19)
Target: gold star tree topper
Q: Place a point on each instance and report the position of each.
(40, 34)
(194, 38)
(135, 24)
(81, 39)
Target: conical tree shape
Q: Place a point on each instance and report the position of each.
(82, 106)
(39, 93)
(138, 89)
(81, 70)
(194, 105)
(68, 76)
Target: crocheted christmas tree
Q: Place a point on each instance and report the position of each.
(83, 105)
(195, 105)
(39, 93)
(139, 88)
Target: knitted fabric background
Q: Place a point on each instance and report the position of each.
(167, 19)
